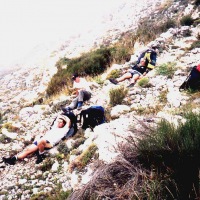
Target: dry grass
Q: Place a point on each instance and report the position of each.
(119, 180)
(65, 92)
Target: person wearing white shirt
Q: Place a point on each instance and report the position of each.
(82, 91)
(49, 140)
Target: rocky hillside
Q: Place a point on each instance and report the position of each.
(22, 119)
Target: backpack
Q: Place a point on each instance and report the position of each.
(92, 116)
(193, 79)
(73, 129)
(150, 56)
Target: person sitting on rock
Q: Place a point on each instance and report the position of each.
(145, 63)
(50, 139)
(82, 91)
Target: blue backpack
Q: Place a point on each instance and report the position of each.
(93, 116)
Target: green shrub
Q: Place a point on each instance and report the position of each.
(166, 69)
(56, 194)
(196, 22)
(114, 74)
(146, 31)
(62, 62)
(163, 27)
(1, 119)
(46, 164)
(92, 63)
(195, 44)
(163, 96)
(78, 142)
(59, 81)
(174, 151)
(4, 139)
(144, 82)
(86, 156)
(117, 95)
(120, 54)
(10, 127)
(186, 20)
(149, 29)
(98, 80)
(62, 148)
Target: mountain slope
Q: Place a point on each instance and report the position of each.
(21, 88)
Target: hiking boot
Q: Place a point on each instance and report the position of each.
(114, 81)
(66, 110)
(131, 85)
(10, 161)
(79, 108)
(40, 158)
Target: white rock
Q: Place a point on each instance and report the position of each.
(55, 166)
(118, 110)
(35, 190)
(22, 181)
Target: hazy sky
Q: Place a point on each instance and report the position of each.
(25, 23)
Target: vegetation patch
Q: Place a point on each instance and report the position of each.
(186, 20)
(114, 74)
(84, 158)
(194, 45)
(117, 95)
(144, 82)
(62, 148)
(4, 139)
(163, 163)
(10, 127)
(167, 69)
(55, 194)
(46, 164)
(78, 142)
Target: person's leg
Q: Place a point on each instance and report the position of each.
(31, 149)
(83, 96)
(124, 77)
(135, 78)
(12, 160)
(86, 95)
(74, 103)
(42, 144)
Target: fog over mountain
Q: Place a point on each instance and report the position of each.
(32, 30)
(30, 26)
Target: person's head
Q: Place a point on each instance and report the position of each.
(153, 45)
(75, 76)
(143, 61)
(61, 122)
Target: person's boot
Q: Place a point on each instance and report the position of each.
(40, 158)
(10, 160)
(131, 85)
(66, 109)
(114, 81)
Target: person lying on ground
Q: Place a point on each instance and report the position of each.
(146, 62)
(50, 139)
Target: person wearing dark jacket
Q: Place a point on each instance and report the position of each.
(145, 63)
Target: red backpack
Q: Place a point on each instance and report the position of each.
(198, 67)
